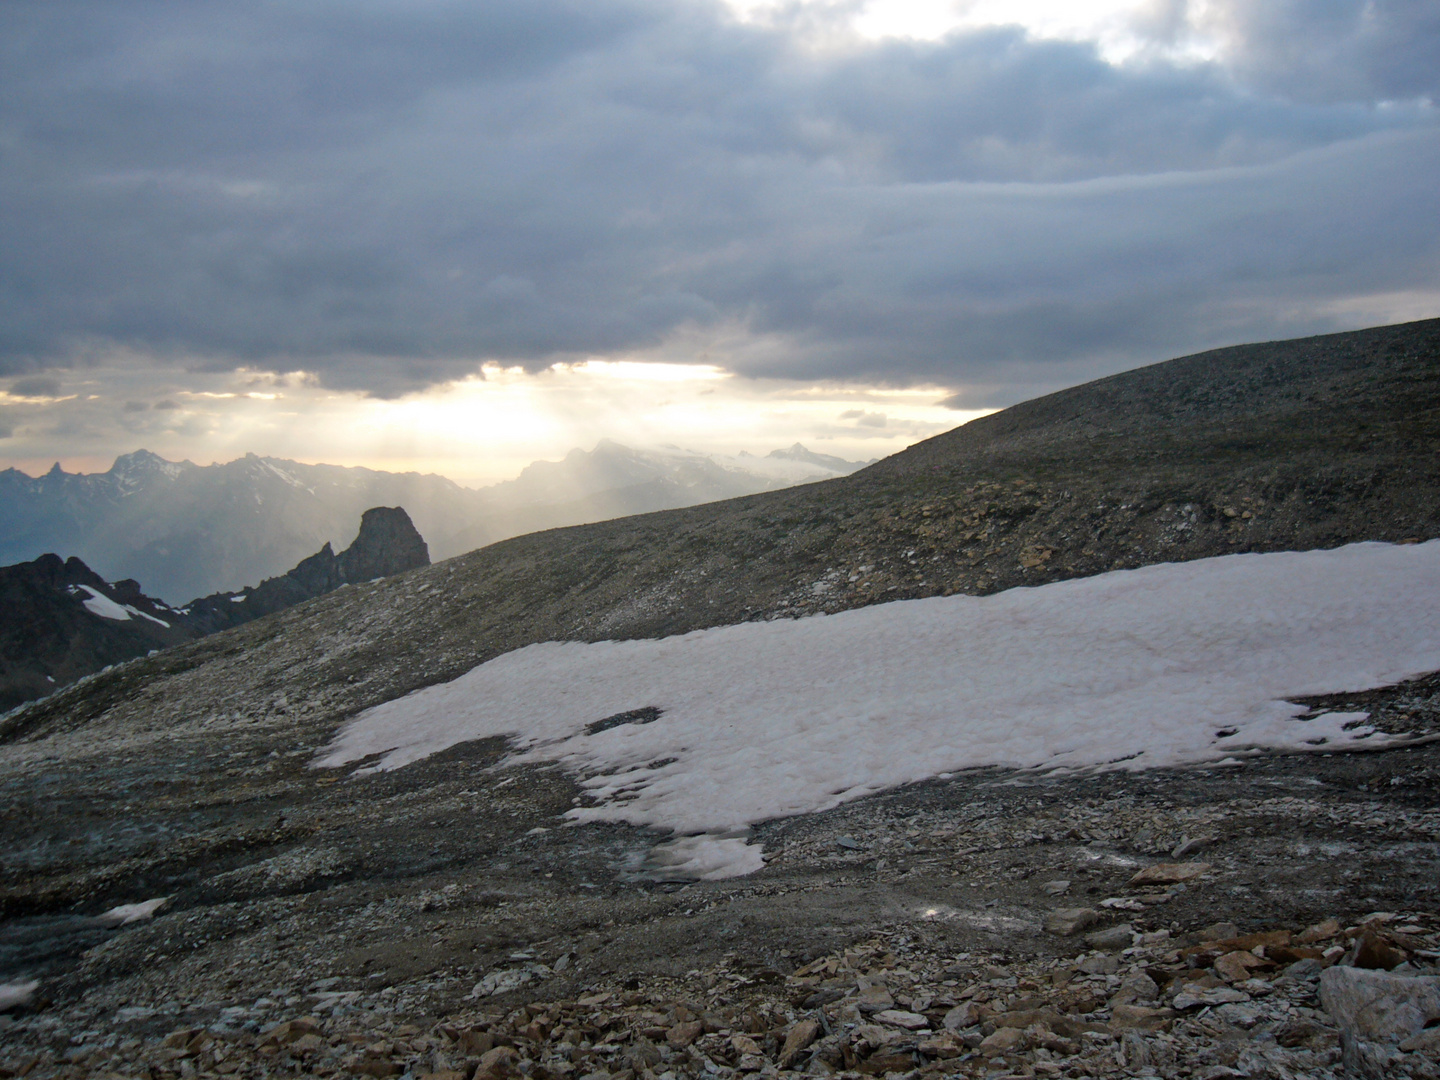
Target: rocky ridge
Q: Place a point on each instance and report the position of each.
(387, 544)
(64, 622)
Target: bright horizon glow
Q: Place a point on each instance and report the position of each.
(477, 430)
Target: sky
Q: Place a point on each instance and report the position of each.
(459, 236)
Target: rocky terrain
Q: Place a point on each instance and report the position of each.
(443, 918)
(64, 622)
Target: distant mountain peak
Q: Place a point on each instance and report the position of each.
(144, 464)
(799, 452)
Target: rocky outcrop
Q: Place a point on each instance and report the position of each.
(64, 621)
(388, 543)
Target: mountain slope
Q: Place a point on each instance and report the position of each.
(615, 481)
(186, 530)
(386, 544)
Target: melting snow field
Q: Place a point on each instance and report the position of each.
(1166, 665)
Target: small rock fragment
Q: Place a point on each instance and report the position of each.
(1321, 931)
(1004, 1041)
(1236, 966)
(1140, 1018)
(1305, 969)
(501, 982)
(686, 1032)
(962, 1016)
(900, 1018)
(1373, 951)
(880, 1064)
(1055, 888)
(1070, 921)
(1135, 1050)
(1189, 846)
(1220, 931)
(1376, 1006)
(800, 1036)
(1427, 1041)
(1122, 903)
(475, 1042)
(1111, 938)
(1212, 995)
(496, 1062)
(875, 999)
(945, 1045)
(1138, 987)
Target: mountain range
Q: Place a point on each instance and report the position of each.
(186, 530)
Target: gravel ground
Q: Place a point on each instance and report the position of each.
(379, 904)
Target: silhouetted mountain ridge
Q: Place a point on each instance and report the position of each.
(63, 621)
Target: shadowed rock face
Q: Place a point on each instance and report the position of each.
(50, 637)
(387, 543)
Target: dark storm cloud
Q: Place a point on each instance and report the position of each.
(36, 386)
(386, 193)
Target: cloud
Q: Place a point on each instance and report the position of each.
(36, 386)
(863, 418)
(387, 194)
(1341, 50)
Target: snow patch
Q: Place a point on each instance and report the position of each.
(14, 995)
(1166, 665)
(126, 914)
(136, 611)
(102, 605)
(704, 857)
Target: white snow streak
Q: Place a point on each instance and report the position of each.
(126, 914)
(102, 605)
(13, 995)
(1138, 668)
